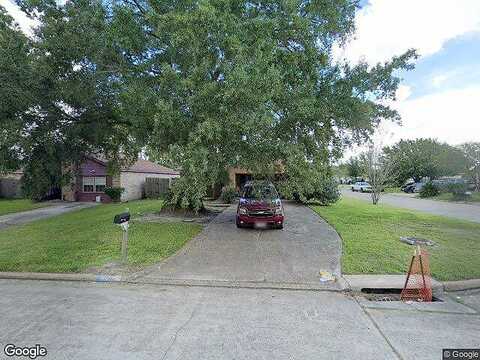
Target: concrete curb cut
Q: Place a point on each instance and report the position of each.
(337, 286)
(461, 285)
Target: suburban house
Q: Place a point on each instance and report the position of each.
(91, 178)
(237, 176)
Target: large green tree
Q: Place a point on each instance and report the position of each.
(416, 159)
(212, 83)
(16, 90)
(251, 84)
(471, 151)
(65, 103)
(354, 168)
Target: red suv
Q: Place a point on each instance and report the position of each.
(260, 206)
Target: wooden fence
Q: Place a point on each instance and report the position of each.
(156, 187)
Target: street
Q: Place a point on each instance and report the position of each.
(407, 201)
(108, 321)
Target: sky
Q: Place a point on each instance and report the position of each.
(440, 98)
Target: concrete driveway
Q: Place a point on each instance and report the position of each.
(42, 213)
(223, 253)
(106, 321)
(434, 207)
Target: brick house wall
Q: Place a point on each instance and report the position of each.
(132, 179)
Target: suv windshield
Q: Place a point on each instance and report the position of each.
(258, 191)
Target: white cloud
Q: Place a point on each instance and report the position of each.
(388, 28)
(438, 80)
(451, 116)
(25, 23)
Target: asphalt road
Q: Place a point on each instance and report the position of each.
(434, 207)
(42, 213)
(103, 321)
(294, 255)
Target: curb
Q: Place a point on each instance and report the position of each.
(357, 283)
(461, 285)
(60, 277)
(338, 286)
(344, 283)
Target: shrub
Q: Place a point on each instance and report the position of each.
(186, 195)
(459, 191)
(114, 193)
(326, 192)
(429, 190)
(228, 194)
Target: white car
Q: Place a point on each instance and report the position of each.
(361, 186)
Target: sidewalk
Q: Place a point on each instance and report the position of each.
(25, 217)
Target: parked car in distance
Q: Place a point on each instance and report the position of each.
(411, 187)
(362, 186)
(260, 206)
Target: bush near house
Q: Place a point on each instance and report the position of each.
(115, 193)
(228, 194)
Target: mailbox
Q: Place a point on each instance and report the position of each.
(121, 218)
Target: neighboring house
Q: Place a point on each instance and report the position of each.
(238, 176)
(91, 178)
(11, 185)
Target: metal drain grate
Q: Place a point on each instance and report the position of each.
(386, 295)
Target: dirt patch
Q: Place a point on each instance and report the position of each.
(174, 215)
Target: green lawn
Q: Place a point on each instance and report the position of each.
(76, 241)
(371, 240)
(392, 189)
(449, 197)
(8, 206)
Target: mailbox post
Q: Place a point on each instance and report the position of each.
(122, 220)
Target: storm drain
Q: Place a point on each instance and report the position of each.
(383, 294)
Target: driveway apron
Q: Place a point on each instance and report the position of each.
(221, 252)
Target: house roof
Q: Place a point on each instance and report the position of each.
(145, 166)
(139, 166)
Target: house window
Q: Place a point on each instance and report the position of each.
(94, 184)
(100, 183)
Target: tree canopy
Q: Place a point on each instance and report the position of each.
(213, 83)
(471, 151)
(416, 159)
